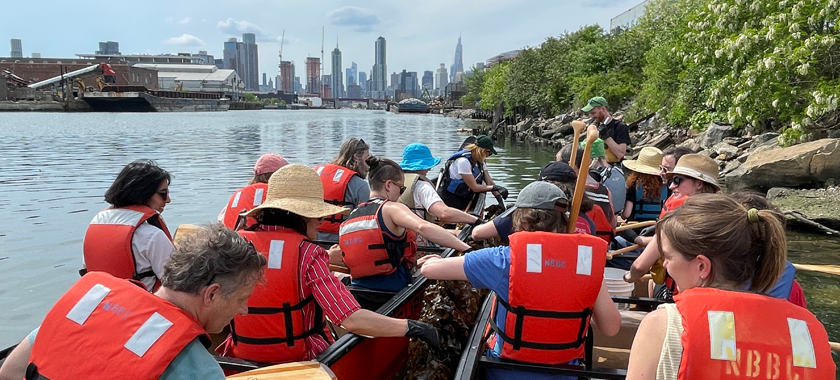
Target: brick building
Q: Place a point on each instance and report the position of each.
(35, 70)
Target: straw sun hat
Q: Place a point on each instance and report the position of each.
(297, 188)
(697, 166)
(649, 161)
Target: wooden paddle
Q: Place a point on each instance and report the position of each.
(830, 269)
(633, 226)
(298, 370)
(578, 127)
(580, 186)
(622, 251)
(183, 232)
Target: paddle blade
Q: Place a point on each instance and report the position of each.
(183, 232)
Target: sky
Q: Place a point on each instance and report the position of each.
(420, 35)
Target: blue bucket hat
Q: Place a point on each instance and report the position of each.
(417, 156)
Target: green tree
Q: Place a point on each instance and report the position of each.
(492, 92)
(473, 85)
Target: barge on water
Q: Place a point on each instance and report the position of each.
(411, 105)
(141, 99)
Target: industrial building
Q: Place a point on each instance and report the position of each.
(195, 78)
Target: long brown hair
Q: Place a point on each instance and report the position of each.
(651, 184)
(719, 227)
(347, 155)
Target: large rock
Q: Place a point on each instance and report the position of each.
(714, 134)
(819, 205)
(804, 165)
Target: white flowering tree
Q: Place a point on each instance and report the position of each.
(759, 62)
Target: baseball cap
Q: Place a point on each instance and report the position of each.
(485, 142)
(540, 195)
(597, 101)
(557, 171)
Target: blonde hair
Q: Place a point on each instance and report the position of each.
(478, 153)
(719, 227)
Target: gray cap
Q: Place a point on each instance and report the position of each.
(541, 195)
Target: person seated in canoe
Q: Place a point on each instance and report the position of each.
(378, 238)
(125, 331)
(694, 174)
(466, 175)
(602, 214)
(344, 184)
(129, 239)
(420, 195)
(558, 275)
(715, 248)
(287, 315)
(670, 157)
(786, 287)
(562, 176)
(252, 195)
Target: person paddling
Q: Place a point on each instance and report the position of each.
(130, 239)
(252, 195)
(714, 248)
(288, 314)
(378, 239)
(466, 175)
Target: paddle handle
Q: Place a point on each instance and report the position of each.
(580, 185)
(633, 226)
(578, 127)
(623, 250)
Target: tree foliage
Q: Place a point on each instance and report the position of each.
(747, 62)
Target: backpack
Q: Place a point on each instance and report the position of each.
(613, 178)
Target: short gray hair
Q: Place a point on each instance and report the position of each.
(215, 254)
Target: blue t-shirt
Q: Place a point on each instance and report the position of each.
(193, 362)
(489, 268)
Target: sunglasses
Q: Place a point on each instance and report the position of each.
(677, 180)
(164, 193)
(594, 103)
(402, 188)
(663, 169)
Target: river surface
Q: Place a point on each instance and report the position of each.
(55, 168)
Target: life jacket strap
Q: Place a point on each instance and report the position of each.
(286, 310)
(521, 312)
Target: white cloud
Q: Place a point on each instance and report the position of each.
(185, 20)
(233, 27)
(186, 40)
(360, 19)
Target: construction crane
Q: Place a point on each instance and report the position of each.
(280, 65)
(322, 64)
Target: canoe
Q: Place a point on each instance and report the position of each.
(606, 358)
(354, 357)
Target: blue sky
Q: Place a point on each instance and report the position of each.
(420, 34)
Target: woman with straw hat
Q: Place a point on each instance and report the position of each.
(694, 174)
(645, 191)
(252, 195)
(299, 288)
(378, 238)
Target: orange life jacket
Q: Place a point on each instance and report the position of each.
(368, 248)
(273, 331)
(604, 228)
(107, 244)
(740, 335)
(672, 203)
(245, 199)
(554, 282)
(119, 328)
(335, 179)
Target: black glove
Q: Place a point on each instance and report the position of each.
(501, 190)
(478, 220)
(424, 331)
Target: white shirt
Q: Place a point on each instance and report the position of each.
(425, 196)
(151, 250)
(461, 166)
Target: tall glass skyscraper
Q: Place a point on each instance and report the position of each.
(380, 71)
(336, 81)
(458, 64)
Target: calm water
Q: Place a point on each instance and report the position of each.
(55, 168)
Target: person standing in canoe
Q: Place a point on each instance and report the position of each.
(344, 184)
(715, 248)
(466, 175)
(694, 174)
(614, 132)
(130, 239)
(252, 195)
(111, 327)
(559, 276)
(420, 195)
(288, 314)
(378, 239)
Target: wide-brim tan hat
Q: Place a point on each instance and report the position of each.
(697, 166)
(649, 161)
(298, 189)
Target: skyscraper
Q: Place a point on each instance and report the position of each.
(351, 74)
(265, 77)
(428, 80)
(313, 75)
(458, 64)
(287, 76)
(363, 80)
(251, 65)
(379, 72)
(17, 48)
(395, 81)
(233, 56)
(336, 79)
(408, 85)
(109, 48)
(442, 79)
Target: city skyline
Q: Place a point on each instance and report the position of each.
(189, 26)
